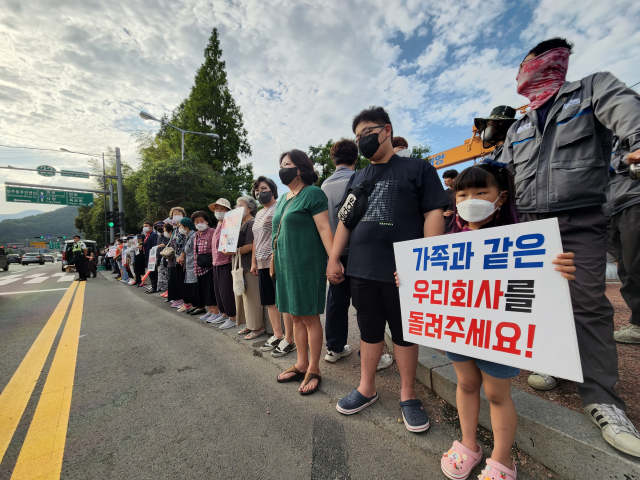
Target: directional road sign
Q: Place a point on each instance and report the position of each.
(46, 171)
(48, 237)
(51, 197)
(70, 173)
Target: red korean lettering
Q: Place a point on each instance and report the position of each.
(435, 324)
(497, 293)
(487, 335)
(416, 323)
(458, 321)
(507, 343)
(458, 293)
(485, 292)
(475, 333)
(421, 286)
(470, 293)
(436, 290)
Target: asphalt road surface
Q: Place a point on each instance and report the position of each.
(102, 381)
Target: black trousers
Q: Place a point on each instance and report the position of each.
(79, 261)
(153, 277)
(584, 232)
(336, 325)
(91, 267)
(139, 266)
(625, 236)
(176, 279)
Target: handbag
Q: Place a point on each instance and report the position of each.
(237, 274)
(272, 262)
(355, 203)
(168, 253)
(204, 260)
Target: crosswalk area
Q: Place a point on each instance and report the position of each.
(25, 278)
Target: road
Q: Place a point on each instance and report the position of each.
(156, 394)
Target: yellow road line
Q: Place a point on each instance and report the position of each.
(43, 448)
(16, 394)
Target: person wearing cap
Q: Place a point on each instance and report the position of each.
(187, 260)
(560, 153)
(493, 130)
(222, 281)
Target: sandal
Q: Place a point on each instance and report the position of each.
(294, 378)
(244, 331)
(307, 378)
(414, 416)
(254, 334)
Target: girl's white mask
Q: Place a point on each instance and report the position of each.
(475, 210)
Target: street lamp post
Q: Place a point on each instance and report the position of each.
(147, 116)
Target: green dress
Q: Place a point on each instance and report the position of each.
(300, 258)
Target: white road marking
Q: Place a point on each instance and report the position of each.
(33, 291)
(59, 274)
(83, 335)
(67, 278)
(36, 280)
(10, 280)
(35, 275)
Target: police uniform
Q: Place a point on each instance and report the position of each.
(79, 259)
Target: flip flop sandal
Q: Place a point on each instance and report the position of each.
(254, 334)
(244, 331)
(414, 416)
(294, 378)
(354, 402)
(307, 378)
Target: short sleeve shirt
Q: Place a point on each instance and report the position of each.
(405, 192)
(262, 227)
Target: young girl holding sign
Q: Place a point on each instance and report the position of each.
(485, 198)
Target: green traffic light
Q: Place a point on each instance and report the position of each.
(111, 224)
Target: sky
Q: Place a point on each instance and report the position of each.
(75, 74)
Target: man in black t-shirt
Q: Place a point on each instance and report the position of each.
(406, 203)
(449, 177)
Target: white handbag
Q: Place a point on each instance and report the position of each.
(237, 274)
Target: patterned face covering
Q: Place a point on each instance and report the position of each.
(541, 78)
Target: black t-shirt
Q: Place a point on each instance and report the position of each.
(451, 195)
(408, 190)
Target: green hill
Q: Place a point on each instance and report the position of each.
(58, 222)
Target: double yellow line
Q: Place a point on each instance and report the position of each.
(43, 448)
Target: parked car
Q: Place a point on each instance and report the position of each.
(48, 258)
(67, 253)
(59, 257)
(32, 258)
(4, 262)
(13, 258)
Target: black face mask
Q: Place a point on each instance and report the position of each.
(265, 197)
(288, 175)
(369, 145)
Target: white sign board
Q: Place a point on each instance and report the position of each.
(230, 230)
(491, 294)
(151, 266)
(112, 252)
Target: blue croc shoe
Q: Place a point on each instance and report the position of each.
(414, 416)
(354, 402)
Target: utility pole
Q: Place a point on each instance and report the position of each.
(112, 234)
(120, 192)
(104, 187)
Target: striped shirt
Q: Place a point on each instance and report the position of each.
(262, 227)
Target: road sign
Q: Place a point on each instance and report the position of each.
(46, 171)
(39, 245)
(51, 197)
(54, 246)
(71, 173)
(17, 245)
(48, 237)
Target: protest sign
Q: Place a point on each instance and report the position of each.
(151, 266)
(112, 252)
(491, 294)
(230, 230)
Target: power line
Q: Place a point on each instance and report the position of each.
(31, 148)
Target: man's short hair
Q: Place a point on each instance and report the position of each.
(372, 114)
(550, 44)
(148, 223)
(400, 142)
(272, 185)
(200, 214)
(452, 173)
(76, 236)
(344, 152)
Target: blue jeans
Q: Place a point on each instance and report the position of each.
(337, 313)
(123, 272)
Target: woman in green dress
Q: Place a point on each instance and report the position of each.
(302, 239)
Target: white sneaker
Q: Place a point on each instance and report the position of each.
(386, 360)
(206, 316)
(617, 429)
(228, 324)
(283, 348)
(333, 357)
(540, 381)
(217, 318)
(272, 343)
(627, 334)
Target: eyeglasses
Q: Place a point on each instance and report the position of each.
(367, 131)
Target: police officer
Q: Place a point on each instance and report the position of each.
(79, 257)
(559, 152)
(493, 130)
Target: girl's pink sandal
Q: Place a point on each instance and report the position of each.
(459, 461)
(497, 471)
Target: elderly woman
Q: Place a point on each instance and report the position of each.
(206, 306)
(163, 263)
(187, 260)
(266, 191)
(222, 280)
(302, 239)
(248, 304)
(176, 272)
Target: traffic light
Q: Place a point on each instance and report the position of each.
(120, 220)
(111, 219)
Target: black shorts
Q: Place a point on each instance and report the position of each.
(377, 303)
(267, 286)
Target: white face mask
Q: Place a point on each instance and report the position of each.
(219, 215)
(167, 235)
(177, 218)
(201, 226)
(145, 230)
(182, 231)
(404, 153)
(476, 210)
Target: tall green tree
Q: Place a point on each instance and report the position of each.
(420, 151)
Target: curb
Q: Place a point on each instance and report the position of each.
(563, 440)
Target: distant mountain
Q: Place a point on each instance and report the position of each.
(58, 222)
(26, 213)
